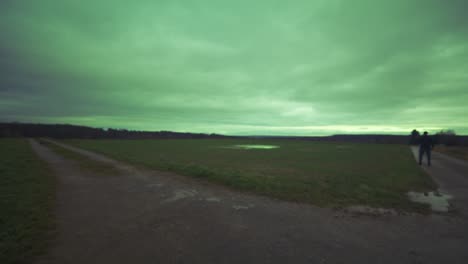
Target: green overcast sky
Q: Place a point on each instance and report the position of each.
(237, 67)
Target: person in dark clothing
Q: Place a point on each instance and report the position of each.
(425, 146)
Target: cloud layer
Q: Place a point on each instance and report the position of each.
(238, 67)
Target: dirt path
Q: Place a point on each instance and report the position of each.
(451, 175)
(142, 216)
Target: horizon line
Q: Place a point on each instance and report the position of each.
(220, 134)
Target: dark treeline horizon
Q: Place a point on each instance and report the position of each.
(15, 129)
(69, 131)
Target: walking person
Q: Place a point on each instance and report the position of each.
(425, 146)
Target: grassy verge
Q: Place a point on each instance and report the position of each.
(83, 162)
(325, 174)
(454, 151)
(27, 192)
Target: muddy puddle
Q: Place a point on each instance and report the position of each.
(253, 147)
(439, 202)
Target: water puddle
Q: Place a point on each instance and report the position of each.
(213, 199)
(254, 147)
(180, 194)
(437, 201)
(242, 207)
(367, 210)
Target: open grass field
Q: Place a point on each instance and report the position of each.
(458, 152)
(27, 191)
(325, 174)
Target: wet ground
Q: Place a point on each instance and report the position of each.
(143, 216)
(451, 175)
(439, 202)
(253, 146)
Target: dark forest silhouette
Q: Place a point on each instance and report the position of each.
(446, 137)
(84, 132)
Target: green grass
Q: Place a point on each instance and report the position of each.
(27, 192)
(321, 173)
(459, 152)
(84, 163)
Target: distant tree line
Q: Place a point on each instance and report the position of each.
(446, 137)
(367, 138)
(84, 132)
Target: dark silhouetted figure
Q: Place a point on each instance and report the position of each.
(425, 146)
(414, 137)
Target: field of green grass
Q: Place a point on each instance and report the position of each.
(459, 152)
(321, 173)
(27, 191)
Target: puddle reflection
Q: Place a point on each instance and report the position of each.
(438, 202)
(253, 147)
